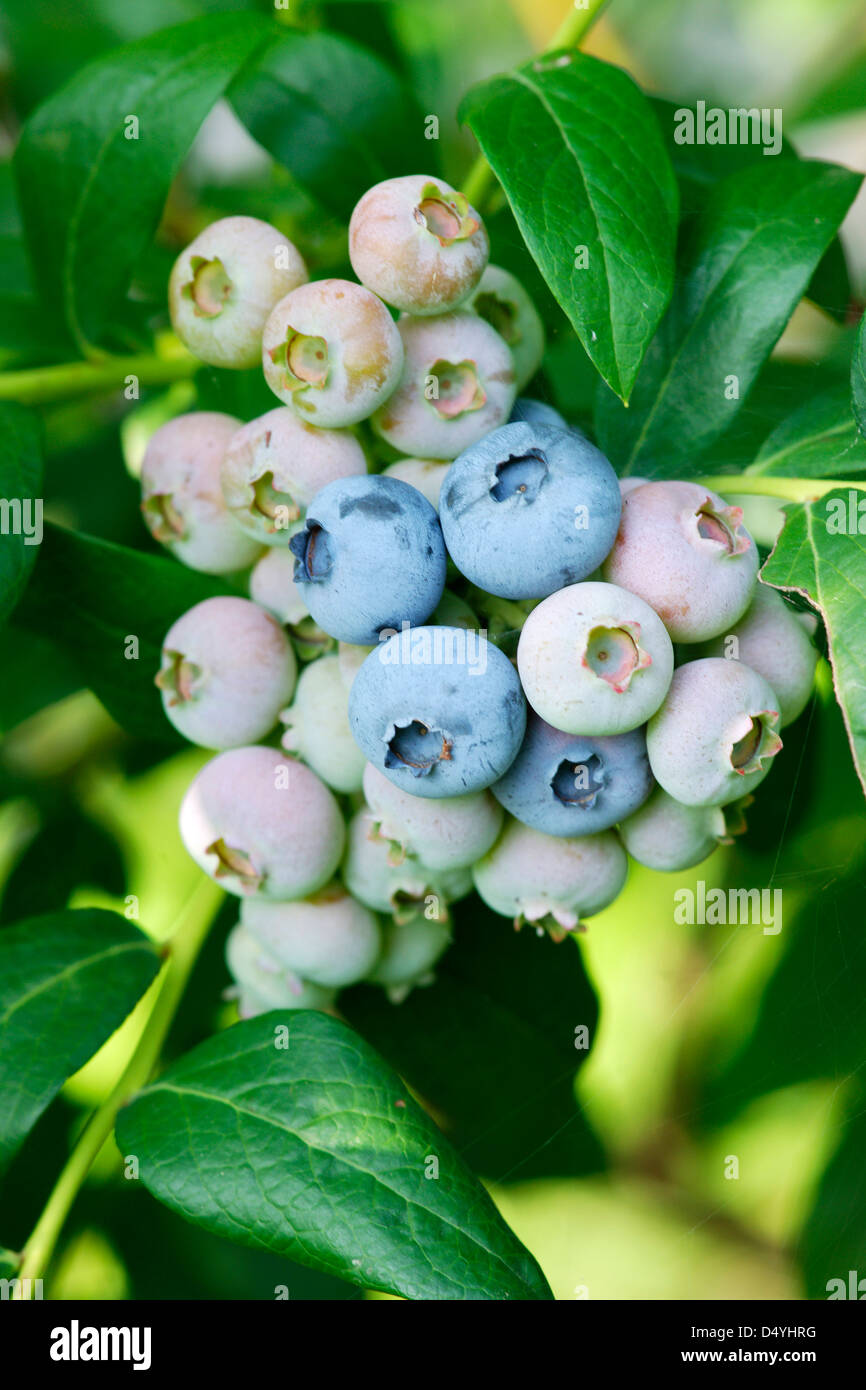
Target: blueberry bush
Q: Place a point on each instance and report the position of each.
(432, 500)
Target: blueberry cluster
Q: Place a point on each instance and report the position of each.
(515, 670)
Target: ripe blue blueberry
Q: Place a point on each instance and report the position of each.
(227, 670)
(262, 824)
(528, 412)
(438, 710)
(776, 641)
(328, 939)
(594, 659)
(687, 553)
(570, 784)
(529, 509)
(549, 882)
(714, 738)
(370, 556)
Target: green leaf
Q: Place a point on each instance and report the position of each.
(332, 113)
(747, 262)
(578, 152)
(91, 196)
(289, 1133)
(821, 554)
(67, 981)
(491, 1045)
(834, 1239)
(93, 598)
(820, 440)
(858, 376)
(21, 502)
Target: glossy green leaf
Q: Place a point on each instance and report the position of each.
(819, 440)
(821, 554)
(67, 981)
(858, 376)
(578, 152)
(92, 184)
(20, 502)
(833, 1244)
(110, 608)
(289, 1133)
(334, 114)
(492, 1045)
(747, 262)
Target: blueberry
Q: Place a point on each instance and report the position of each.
(714, 738)
(272, 585)
(370, 556)
(776, 641)
(409, 952)
(396, 883)
(687, 553)
(317, 726)
(594, 659)
(227, 670)
(438, 710)
(503, 302)
(417, 243)
(264, 983)
(328, 939)
(427, 475)
(529, 412)
(262, 824)
(665, 834)
(457, 384)
(529, 509)
(449, 832)
(570, 784)
(549, 882)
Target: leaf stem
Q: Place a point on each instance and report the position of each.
(183, 949)
(569, 34)
(790, 489)
(37, 385)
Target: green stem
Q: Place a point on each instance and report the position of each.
(568, 35)
(790, 489)
(183, 950)
(37, 385)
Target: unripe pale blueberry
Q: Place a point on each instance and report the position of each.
(685, 551)
(552, 883)
(351, 658)
(627, 485)
(418, 244)
(529, 412)
(317, 726)
(275, 465)
(664, 834)
(332, 352)
(227, 670)
(457, 384)
(397, 883)
(181, 498)
(529, 509)
(370, 556)
(328, 939)
(272, 584)
(594, 659)
(427, 475)
(409, 952)
(715, 736)
(503, 302)
(264, 983)
(776, 641)
(260, 823)
(450, 832)
(225, 284)
(438, 710)
(570, 784)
